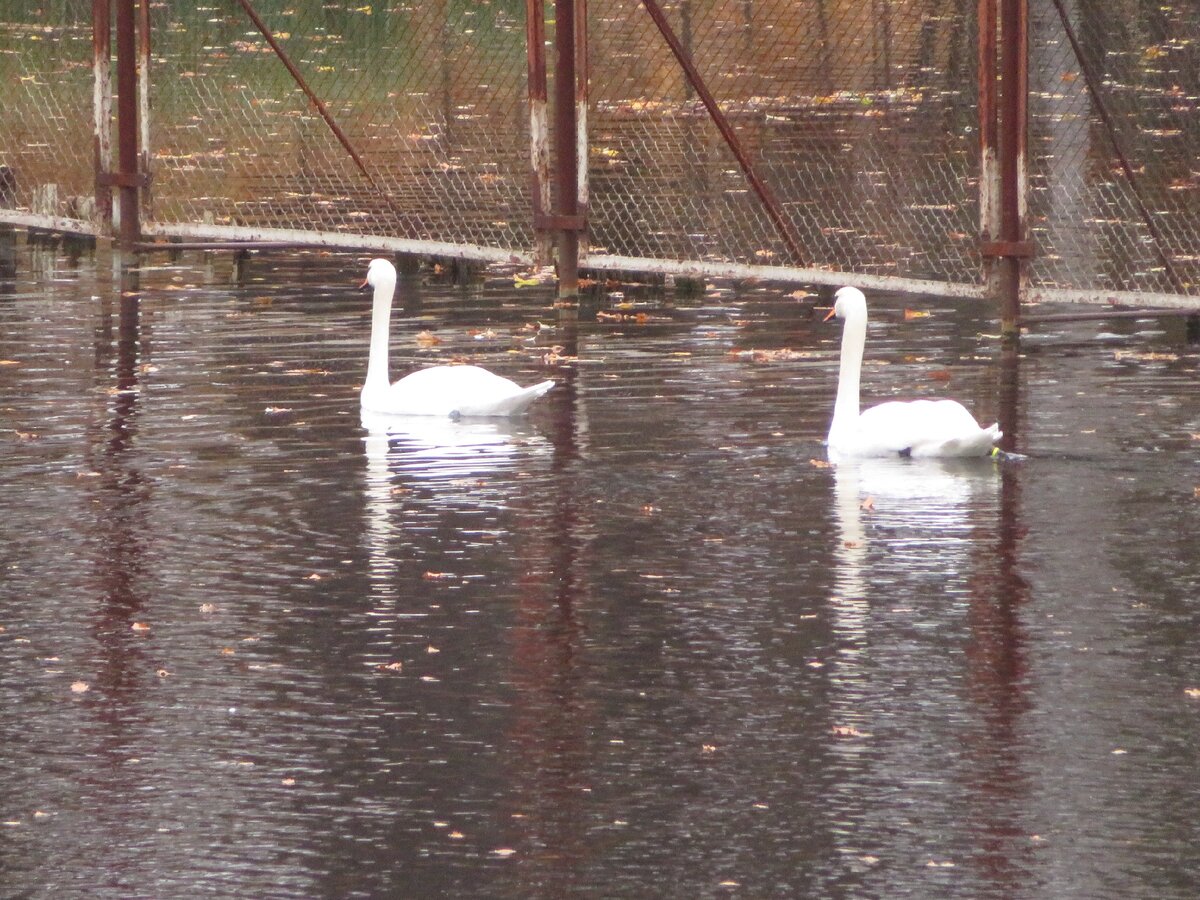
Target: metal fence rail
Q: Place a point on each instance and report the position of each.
(813, 140)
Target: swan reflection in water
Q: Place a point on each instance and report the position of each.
(908, 532)
(432, 466)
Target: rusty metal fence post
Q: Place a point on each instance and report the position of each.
(102, 111)
(1003, 112)
(570, 153)
(539, 141)
(128, 178)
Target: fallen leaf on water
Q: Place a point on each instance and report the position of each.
(9, 362)
(503, 851)
(456, 835)
(162, 673)
(439, 576)
(140, 626)
(392, 667)
(427, 339)
(820, 464)
(850, 545)
(208, 607)
(916, 314)
(287, 782)
(80, 687)
(940, 375)
(848, 731)
(1194, 693)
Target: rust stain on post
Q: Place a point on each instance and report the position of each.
(539, 139)
(127, 133)
(566, 166)
(770, 203)
(1014, 96)
(102, 109)
(144, 102)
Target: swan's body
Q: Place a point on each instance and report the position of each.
(917, 428)
(436, 391)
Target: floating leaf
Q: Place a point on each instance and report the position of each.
(916, 314)
(427, 339)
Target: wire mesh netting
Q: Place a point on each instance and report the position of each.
(46, 114)
(430, 96)
(1144, 59)
(860, 118)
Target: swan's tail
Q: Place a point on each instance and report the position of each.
(975, 445)
(519, 402)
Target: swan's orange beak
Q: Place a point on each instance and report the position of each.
(830, 316)
(363, 286)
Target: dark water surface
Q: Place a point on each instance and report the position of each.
(643, 643)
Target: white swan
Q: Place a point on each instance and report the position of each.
(437, 391)
(918, 428)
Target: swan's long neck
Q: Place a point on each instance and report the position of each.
(381, 313)
(854, 339)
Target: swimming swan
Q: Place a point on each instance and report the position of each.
(439, 390)
(918, 428)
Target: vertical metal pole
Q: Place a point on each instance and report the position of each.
(539, 136)
(144, 102)
(1014, 95)
(102, 110)
(582, 78)
(127, 127)
(566, 167)
(989, 167)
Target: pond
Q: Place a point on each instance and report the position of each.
(645, 641)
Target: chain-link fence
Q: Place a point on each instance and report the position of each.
(46, 146)
(860, 117)
(429, 96)
(1115, 146)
